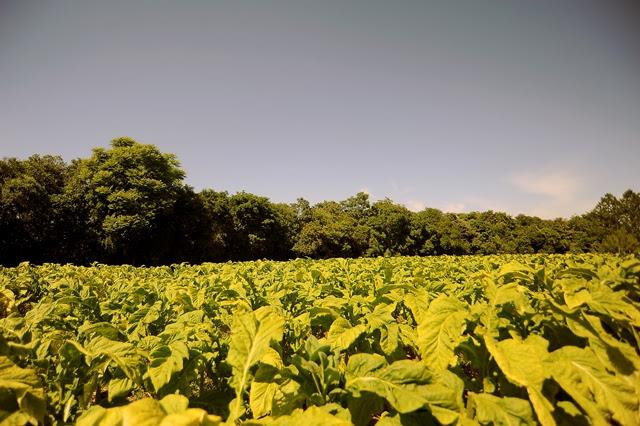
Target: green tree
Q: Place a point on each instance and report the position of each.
(246, 227)
(583, 234)
(423, 237)
(184, 230)
(492, 232)
(358, 206)
(302, 211)
(261, 228)
(618, 220)
(332, 231)
(219, 226)
(390, 226)
(29, 191)
(455, 234)
(127, 192)
(535, 235)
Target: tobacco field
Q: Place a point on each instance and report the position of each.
(477, 340)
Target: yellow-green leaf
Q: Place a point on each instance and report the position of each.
(440, 331)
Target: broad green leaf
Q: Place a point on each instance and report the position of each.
(364, 407)
(514, 270)
(191, 317)
(25, 387)
(191, 417)
(251, 337)
(440, 331)
(287, 398)
(119, 387)
(523, 362)
(170, 411)
(100, 416)
(166, 360)
(492, 410)
(172, 404)
(614, 304)
(399, 386)
(614, 353)
(407, 386)
(602, 395)
(511, 293)
(15, 378)
(121, 353)
(144, 412)
(342, 334)
(575, 291)
(312, 416)
(390, 339)
(418, 302)
(264, 386)
(417, 418)
(361, 364)
(381, 316)
(568, 414)
(104, 329)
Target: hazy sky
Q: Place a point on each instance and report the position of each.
(521, 106)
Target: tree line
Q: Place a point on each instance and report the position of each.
(129, 204)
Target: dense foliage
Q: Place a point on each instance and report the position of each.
(510, 339)
(129, 205)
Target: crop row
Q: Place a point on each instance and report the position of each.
(444, 340)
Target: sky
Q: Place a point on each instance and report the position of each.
(525, 107)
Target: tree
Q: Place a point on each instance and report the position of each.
(128, 204)
(29, 190)
(358, 206)
(618, 221)
(302, 211)
(583, 234)
(247, 227)
(619, 241)
(535, 235)
(455, 234)
(184, 230)
(219, 224)
(260, 229)
(492, 232)
(424, 238)
(332, 232)
(390, 226)
(127, 192)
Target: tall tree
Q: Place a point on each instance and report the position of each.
(219, 229)
(390, 226)
(333, 231)
(492, 232)
(29, 190)
(619, 221)
(425, 232)
(127, 192)
(262, 229)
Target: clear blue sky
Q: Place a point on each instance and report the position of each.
(522, 106)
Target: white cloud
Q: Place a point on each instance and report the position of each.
(415, 206)
(562, 189)
(561, 208)
(546, 193)
(557, 185)
(454, 208)
(465, 205)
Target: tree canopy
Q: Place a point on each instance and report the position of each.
(127, 191)
(129, 204)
